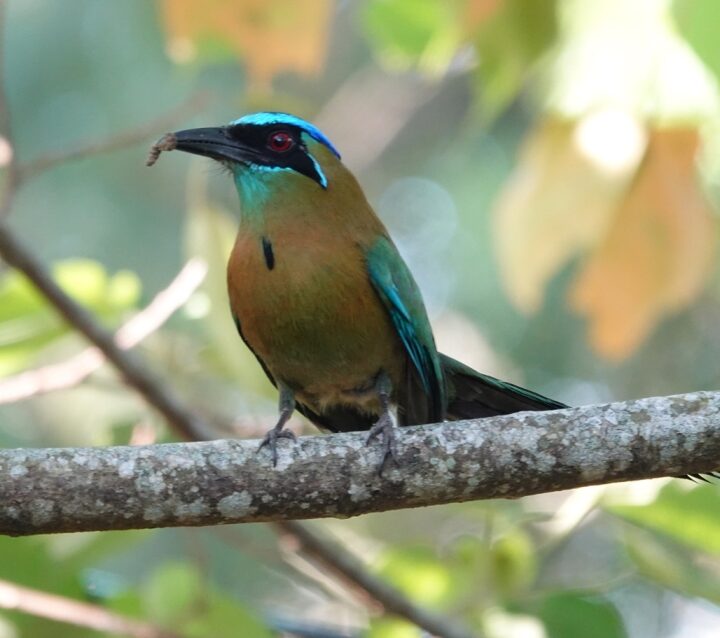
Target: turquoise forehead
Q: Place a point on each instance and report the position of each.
(265, 117)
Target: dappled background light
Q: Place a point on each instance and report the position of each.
(549, 169)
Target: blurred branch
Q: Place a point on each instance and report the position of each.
(74, 370)
(228, 481)
(347, 568)
(74, 612)
(132, 370)
(150, 129)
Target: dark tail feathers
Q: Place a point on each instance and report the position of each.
(473, 395)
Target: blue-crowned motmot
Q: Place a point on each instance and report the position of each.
(322, 297)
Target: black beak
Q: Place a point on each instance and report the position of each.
(212, 142)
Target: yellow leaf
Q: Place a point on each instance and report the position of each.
(560, 199)
(658, 252)
(271, 36)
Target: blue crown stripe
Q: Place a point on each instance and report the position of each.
(269, 117)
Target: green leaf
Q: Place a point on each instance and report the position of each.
(689, 514)
(173, 592)
(567, 615)
(697, 22)
(225, 619)
(128, 603)
(508, 46)
(407, 33)
(123, 290)
(508, 565)
(388, 627)
(671, 565)
(418, 572)
(54, 564)
(514, 562)
(176, 596)
(28, 323)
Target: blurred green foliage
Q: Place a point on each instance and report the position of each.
(27, 324)
(175, 596)
(567, 615)
(688, 515)
(441, 96)
(695, 20)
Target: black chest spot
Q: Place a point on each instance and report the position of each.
(268, 253)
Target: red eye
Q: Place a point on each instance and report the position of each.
(280, 141)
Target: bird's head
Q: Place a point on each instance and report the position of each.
(263, 149)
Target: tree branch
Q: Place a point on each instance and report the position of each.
(72, 371)
(74, 612)
(192, 105)
(344, 565)
(228, 481)
(132, 369)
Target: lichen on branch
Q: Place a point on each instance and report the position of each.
(228, 481)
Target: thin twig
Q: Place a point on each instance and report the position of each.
(132, 370)
(71, 372)
(127, 138)
(74, 612)
(344, 565)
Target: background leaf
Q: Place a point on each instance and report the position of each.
(571, 615)
(557, 204)
(28, 323)
(270, 36)
(695, 20)
(689, 515)
(661, 249)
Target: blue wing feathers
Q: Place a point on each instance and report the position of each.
(398, 291)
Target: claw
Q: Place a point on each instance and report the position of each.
(703, 478)
(384, 428)
(287, 406)
(270, 439)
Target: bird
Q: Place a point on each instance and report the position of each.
(322, 297)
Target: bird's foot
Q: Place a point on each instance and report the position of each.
(287, 406)
(271, 437)
(384, 428)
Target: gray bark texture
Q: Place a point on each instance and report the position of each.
(229, 481)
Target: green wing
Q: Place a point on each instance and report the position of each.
(400, 295)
